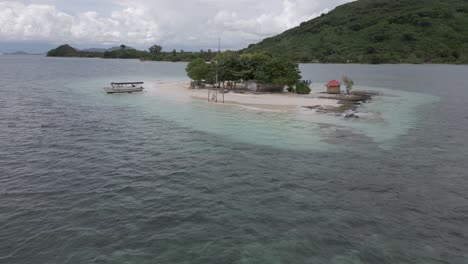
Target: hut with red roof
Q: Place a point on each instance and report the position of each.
(333, 87)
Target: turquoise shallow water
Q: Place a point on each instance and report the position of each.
(143, 179)
(391, 114)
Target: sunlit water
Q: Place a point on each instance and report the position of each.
(145, 179)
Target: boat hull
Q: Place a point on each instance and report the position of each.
(111, 90)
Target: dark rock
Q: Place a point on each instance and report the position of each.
(347, 103)
(352, 115)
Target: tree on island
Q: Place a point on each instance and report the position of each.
(229, 67)
(198, 70)
(251, 62)
(348, 83)
(280, 71)
(155, 49)
(123, 47)
(232, 67)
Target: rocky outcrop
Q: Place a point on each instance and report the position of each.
(347, 103)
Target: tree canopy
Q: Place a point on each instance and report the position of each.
(155, 49)
(198, 70)
(278, 70)
(230, 66)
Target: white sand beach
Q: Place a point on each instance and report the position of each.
(267, 102)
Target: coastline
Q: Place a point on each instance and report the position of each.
(315, 102)
(299, 62)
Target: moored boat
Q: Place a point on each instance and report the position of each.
(124, 87)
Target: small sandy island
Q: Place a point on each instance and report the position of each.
(317, 101)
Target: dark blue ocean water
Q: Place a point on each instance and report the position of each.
(137, 179)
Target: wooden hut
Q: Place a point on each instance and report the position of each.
(333, 87)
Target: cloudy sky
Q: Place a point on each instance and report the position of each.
(180, 24)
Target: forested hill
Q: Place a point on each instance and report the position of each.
(379, 31)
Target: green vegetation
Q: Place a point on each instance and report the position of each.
(302, 88)
(68, 51)
(233, 67)
(378, 31)
(198, 70)
(124, 53)
(155, 50)
(63, 51)
(348, 83)
(154, 53)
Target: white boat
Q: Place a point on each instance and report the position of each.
(124, 87)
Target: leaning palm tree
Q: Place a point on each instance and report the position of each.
(348, 83)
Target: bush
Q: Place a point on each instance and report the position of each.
(302, 88)
(198, 70)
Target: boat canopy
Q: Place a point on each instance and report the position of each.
(126, 83)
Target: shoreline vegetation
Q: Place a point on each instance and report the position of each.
(68, 51)
(154, 53)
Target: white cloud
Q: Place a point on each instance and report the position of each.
(45, 22)
(291, 14)
(174, 24)
(33, 21)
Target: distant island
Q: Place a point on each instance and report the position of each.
(21, 53)
(364, 31)
(154, 53)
